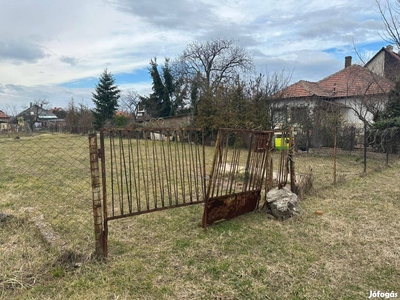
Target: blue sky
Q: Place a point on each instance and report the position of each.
(139, 75)
(57, 50)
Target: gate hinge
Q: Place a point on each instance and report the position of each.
(99, 153)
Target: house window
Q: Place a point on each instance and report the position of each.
(279, 116)
(299, 115)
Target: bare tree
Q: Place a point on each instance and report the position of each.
(79, 118)
(36, 109)
(129, 101)
(214, 62)
(10, 109)
(275, 85)
(390, 14)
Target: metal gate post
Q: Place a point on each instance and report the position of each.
(96, 196)
(291, 161)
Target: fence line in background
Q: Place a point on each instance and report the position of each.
(341, 162)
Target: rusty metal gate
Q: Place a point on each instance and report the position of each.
(237, 173)
(152, 169)
(143, 171)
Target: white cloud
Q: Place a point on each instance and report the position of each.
(44, 44)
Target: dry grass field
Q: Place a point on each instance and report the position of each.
(351, 249)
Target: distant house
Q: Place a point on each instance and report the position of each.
(122, 113)
(59, 112)
(385, 63)
(35, 117)
(141, 115)
(4, 121)
(351, 90)
(353, 97)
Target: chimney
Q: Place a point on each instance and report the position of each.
(347, 61)
(389, 47)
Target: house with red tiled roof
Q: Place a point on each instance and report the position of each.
(4, 121)
(352, 97)
(386, 63)
(358, 92)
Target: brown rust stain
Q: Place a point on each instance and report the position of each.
(230, 206)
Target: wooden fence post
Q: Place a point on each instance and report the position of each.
(96, 196)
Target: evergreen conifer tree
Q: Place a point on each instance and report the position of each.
(105, 98)
(393, 105)
(159, 103)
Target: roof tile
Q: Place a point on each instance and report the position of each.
(352, 81)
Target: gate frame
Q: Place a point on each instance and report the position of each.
(99, 188)
(248, 200)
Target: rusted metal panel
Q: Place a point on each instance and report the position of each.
(230, 206)
(237, 174)
(150, 169)
(153, 169)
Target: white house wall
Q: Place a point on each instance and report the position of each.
(377, 64)
(349, 115)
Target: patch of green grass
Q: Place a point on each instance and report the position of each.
(57, 272)
(352, 248)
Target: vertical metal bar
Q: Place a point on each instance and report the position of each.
(124, 173)
(132, 169)
(271, 174)
(292, 162)
(199, 175)
(253, 162)
(173, 170)
(230, 174)
(170, 171)
(138, 163)
(190, 165)
(183, 144)
(233, 169)
(130, 162)
(155, 166)
(112, 174)
(118, 173)
(160, 172)
(365, 148)
(152, 169)
(266, 173)
(165, 161)
(260, 156)
(211, 179)
(194, 165)
(246, 174)
(334, 156)
(217, 175)
(96, 198)
(145, 169)
(104, 187)
(176, 163)
(179, 165)
(204, 164)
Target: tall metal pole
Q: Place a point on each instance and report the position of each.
(365, 147)
(291, 161)
(334, 156)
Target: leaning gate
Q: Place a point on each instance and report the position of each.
(150, 169)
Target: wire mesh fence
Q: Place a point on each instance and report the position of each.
(346, 159)
(50, 172)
